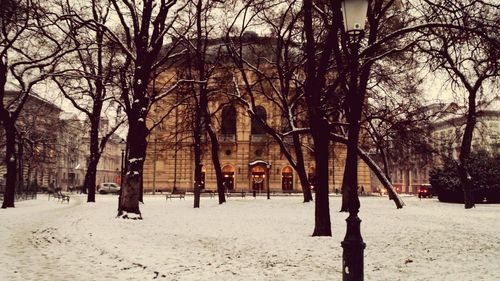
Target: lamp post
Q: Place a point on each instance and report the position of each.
(354, 15)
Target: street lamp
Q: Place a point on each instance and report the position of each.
(354, 15)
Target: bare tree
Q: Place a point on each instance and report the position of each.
(471, 60)
(268, 67)
(86, 79)
(141, 36)
(24, 26)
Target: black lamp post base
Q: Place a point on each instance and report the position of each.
(352, 256)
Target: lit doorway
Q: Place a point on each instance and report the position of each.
(228, 177)
(287, 179)
(258, 177)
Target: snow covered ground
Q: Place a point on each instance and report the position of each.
(244, 239)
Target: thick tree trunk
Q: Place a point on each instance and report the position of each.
(301, 170)
(10, 162)
(322, 225)
(90, 178)
(350, 181)
(131, 188)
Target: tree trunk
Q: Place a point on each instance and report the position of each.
(216, 161)
(384, 179)
(89, 183)
(197, 163)
(301, 170)
(322, 207)
(10, 161)
(465, 151)
(350, 199)
(131, 188)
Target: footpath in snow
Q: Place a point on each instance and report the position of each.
(244, 239)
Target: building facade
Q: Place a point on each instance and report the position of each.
(36, 141)
(250, 159)
(74, 153)
(447, 128)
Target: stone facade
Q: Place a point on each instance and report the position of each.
(249, 159)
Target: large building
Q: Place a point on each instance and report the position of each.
(250, 159)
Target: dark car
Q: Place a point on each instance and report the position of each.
(425, 191)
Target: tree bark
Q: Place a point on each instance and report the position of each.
(131, 188)
(301, 170)
(10, 162)
(465, 151)
(89, 183)
(322, 225)
(217, 167)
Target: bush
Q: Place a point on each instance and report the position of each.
(485, 176)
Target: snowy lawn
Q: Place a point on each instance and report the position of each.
(244, 239)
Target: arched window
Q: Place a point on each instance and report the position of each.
(228, 120)
(257, 128)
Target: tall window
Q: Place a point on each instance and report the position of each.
(257, 128)
(228, 120)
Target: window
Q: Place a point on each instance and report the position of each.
(228, 120)
(257, 128)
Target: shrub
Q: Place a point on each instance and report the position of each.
(485, 179)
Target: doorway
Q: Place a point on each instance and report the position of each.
(258, 177)
(287, 179)
(228, 177)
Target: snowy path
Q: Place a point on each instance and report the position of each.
(245, 239)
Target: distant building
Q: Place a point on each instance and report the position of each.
(37, 127)
(447, 128)
(74, 152)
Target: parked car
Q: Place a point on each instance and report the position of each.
(108, 187)
(425, 191)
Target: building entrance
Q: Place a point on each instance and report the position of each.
(258, 177)
(287, 179)
(228, 177)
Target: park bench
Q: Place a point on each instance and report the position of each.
(181, 194)
(236, 193)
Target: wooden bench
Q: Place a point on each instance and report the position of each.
(176, 194)
(236, 193)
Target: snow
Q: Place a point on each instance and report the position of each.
(244, 239)
(134, 160)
